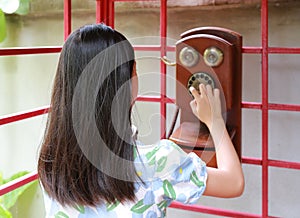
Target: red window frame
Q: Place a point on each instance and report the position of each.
(105, 13)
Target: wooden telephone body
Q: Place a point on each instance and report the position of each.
(209, 55)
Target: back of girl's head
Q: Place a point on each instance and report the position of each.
(86, 156)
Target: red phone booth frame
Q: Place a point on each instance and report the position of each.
(105, 13)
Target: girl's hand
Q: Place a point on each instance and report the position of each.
(206, 104)
(207, 107)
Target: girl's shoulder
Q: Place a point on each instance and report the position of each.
(163, 145)
(161, 159)
(160, 153)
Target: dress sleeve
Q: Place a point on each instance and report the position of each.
(184, 175)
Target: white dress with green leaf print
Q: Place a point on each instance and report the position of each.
(168, 173)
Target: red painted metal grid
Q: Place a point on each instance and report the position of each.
(10, 186)
(105, 13)
(265, 102)
(67, 18)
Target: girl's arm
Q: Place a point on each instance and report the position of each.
(227, 180)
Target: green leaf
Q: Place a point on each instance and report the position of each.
(151, 156)
(11, 198)
(194, 178)
(61, 214)
(23, 7)
(80, 208)
(4, 213)
(15, 176)
(9, 6)
(135, 154)
(2, 26)
(140, 207)
(112, 206)
(161, 164)
(162, 205)
(169, 190)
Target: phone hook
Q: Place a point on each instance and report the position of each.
(168, 61)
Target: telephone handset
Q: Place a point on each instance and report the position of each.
(208, 55)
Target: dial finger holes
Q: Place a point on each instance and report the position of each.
(196, 79)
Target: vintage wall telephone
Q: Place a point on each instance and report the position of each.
(209, 55)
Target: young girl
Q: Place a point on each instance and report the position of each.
(90, 164)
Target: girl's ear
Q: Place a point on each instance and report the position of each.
(134, 73)
(134, 82)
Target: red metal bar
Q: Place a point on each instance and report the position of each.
(251, 105)
(23, 115)
(147, 47)
(284, 164)
(211, 210)
(271, 106)
(155, 99)
(152, 48)
(99, 13)
(251, 160)
(163, 67)
(284, 107)
(105, 10)
(10, 186)
(252, 50)
(67, 18)
(29, 50)
(170, 48)
(265, 102)
(273, 50)
(128, 0)
(102, 12)
(278, 50)
(111, 13)
(273, 163)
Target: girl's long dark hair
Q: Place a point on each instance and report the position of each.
(71, 163)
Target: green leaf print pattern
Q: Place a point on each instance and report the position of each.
(134, 152)
(112, 206)
(196, 180)
(80, 208)
(151, 155)
(61, 214)
(162, 205)
(161, 164)
(140, 207)
(169, 190)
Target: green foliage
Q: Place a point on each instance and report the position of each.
(8, 200)
(4, 213)
(2, 26)
(20, 7)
